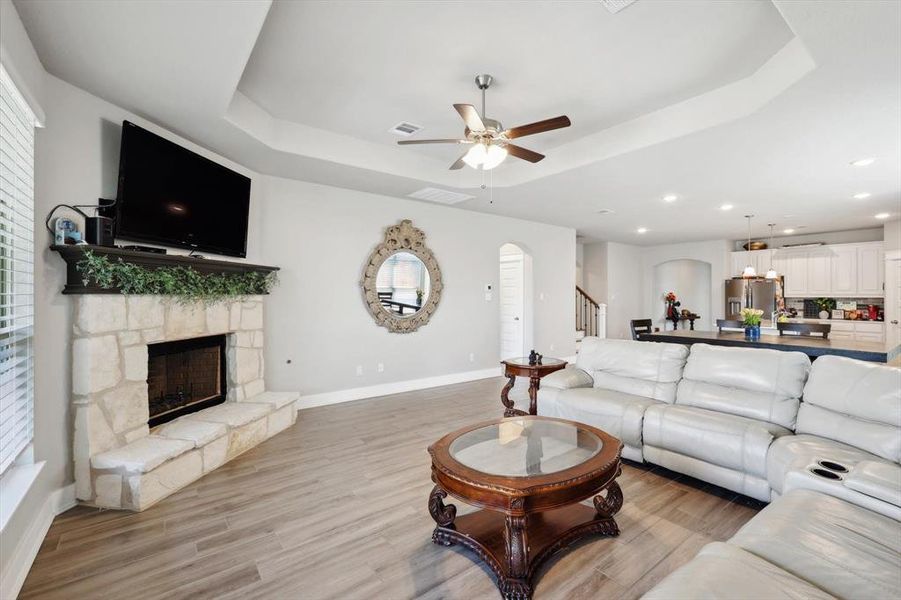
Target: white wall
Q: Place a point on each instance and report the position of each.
(316, 318)
(689, 279)
(594, 270)
(625, 289)
(892, 235)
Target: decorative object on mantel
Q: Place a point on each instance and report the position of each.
(103, 270)
(402, 242)
(750, 318)
(671, 305)
(825, 305)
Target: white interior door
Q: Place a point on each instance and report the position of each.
(512, 305)
(893, 302)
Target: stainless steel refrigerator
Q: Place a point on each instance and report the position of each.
(764, 294)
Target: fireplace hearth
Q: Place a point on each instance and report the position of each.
(185, 376)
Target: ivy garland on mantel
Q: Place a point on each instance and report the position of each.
(185, 284)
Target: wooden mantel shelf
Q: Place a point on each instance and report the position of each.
(73, 255)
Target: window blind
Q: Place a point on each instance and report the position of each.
(17, 123)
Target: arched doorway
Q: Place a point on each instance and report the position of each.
(690, 280)
(514, 295)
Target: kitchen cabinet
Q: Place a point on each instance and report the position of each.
(759, 259)
(870, 270)
(819, 272)
(795, 273)
(844, 270)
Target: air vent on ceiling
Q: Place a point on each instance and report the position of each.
(405, 129)
(440, 196)
(614, 6)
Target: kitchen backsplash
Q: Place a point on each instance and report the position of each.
(806, 307)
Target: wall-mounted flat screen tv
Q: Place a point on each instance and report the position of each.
(171, 196)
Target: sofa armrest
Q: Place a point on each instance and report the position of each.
(568, 378)
(877, 479)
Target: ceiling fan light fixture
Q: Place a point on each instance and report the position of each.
(485, 156)
(496, 156)
(476, 156)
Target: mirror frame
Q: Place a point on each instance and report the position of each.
(403, 237)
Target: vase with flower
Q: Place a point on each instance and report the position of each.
(750, 318)
(672, 305)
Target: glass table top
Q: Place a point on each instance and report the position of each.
(525, 447)
(524, 361)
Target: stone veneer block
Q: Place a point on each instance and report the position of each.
(233, 414)
(200, 433)
(145, 312)
(247, 436)
(254, 388)
(95, 364)
(141, 456)
(252, 315)
(100, 313)
(215, 454)
(109, 491)
(149, 488)
(137, 433)
(185, 321)
(217, 319)
(136, 360)
(276, 399)
(92, 435)
(126, 405)
(280, 420)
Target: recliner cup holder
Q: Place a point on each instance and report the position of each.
(826, 474)
(833, 466)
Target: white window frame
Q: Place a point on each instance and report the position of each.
(17, 123)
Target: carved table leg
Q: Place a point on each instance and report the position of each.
(505, 398)
(534, 382)
(515, 584)
(444, 516)
(609, 506)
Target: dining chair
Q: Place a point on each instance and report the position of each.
(638, 326)
(805, 328)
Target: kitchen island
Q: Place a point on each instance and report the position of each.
(809, 345)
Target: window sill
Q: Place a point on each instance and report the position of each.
(14, 485)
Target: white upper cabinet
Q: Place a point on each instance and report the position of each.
(840, 270)
(870, 270)
(844, 270)
(819, 272)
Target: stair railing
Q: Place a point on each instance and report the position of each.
(587, 316)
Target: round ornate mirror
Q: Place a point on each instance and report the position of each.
(402, 281)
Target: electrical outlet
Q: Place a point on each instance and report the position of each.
(381, 368)
(472, 357)
(359, 370)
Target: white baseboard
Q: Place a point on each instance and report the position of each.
(397, 387)
(27, 548)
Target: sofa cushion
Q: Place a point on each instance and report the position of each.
(722, 571)
(877, 479)
(647, 369)
(846, 550)
(760, 384)
(793, 452)
(855, 402)
(617, 413)
(564, 379)
(727, 440)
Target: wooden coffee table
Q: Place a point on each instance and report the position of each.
(520, 367)
(528, 475)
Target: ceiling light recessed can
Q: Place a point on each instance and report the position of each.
(863, 162)
(726, 207)
(882, 215)
(862, 196)
(789, 230)
(642, 230)
(670, 198)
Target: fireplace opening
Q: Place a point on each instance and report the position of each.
(185, 376)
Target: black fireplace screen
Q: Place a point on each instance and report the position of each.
(185, 376)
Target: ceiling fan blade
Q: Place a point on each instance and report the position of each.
(458, 164)
(470, 116)
(538, 127)
(523, 153)
(444, 141)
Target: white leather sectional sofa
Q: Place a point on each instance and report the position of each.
(823, 442)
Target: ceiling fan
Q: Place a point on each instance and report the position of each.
(489, 140)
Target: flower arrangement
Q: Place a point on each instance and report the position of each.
(670, 297)
(750, 317)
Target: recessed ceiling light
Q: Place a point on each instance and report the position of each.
(789, 230)
(863, 162)
(670, 198)
(883, 215)
(606, 211)
(642, 230)
(862, 196)
(726, 207)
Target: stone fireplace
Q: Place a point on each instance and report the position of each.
(193, 373)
